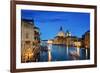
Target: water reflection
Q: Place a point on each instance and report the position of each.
(49, 52)
(62, 53)
(49, 55)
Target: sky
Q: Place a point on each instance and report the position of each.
(49, 22)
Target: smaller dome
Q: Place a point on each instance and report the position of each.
(68, 33)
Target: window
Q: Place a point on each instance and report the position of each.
(27, 35)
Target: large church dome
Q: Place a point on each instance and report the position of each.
(61, 33)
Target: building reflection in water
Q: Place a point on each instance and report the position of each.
(49, 50)
(67, 50)
(86, 53)
(62, 52)
(49, 55)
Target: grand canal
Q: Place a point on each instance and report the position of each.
(62, 53)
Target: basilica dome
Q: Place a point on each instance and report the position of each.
(61, 33)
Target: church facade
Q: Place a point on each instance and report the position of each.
(66, 38)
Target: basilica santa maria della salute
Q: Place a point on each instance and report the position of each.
(65, 38)
(62, 33)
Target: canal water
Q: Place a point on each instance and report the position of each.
(61, 53)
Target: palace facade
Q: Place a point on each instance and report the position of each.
(30, 40)
(86, 39)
